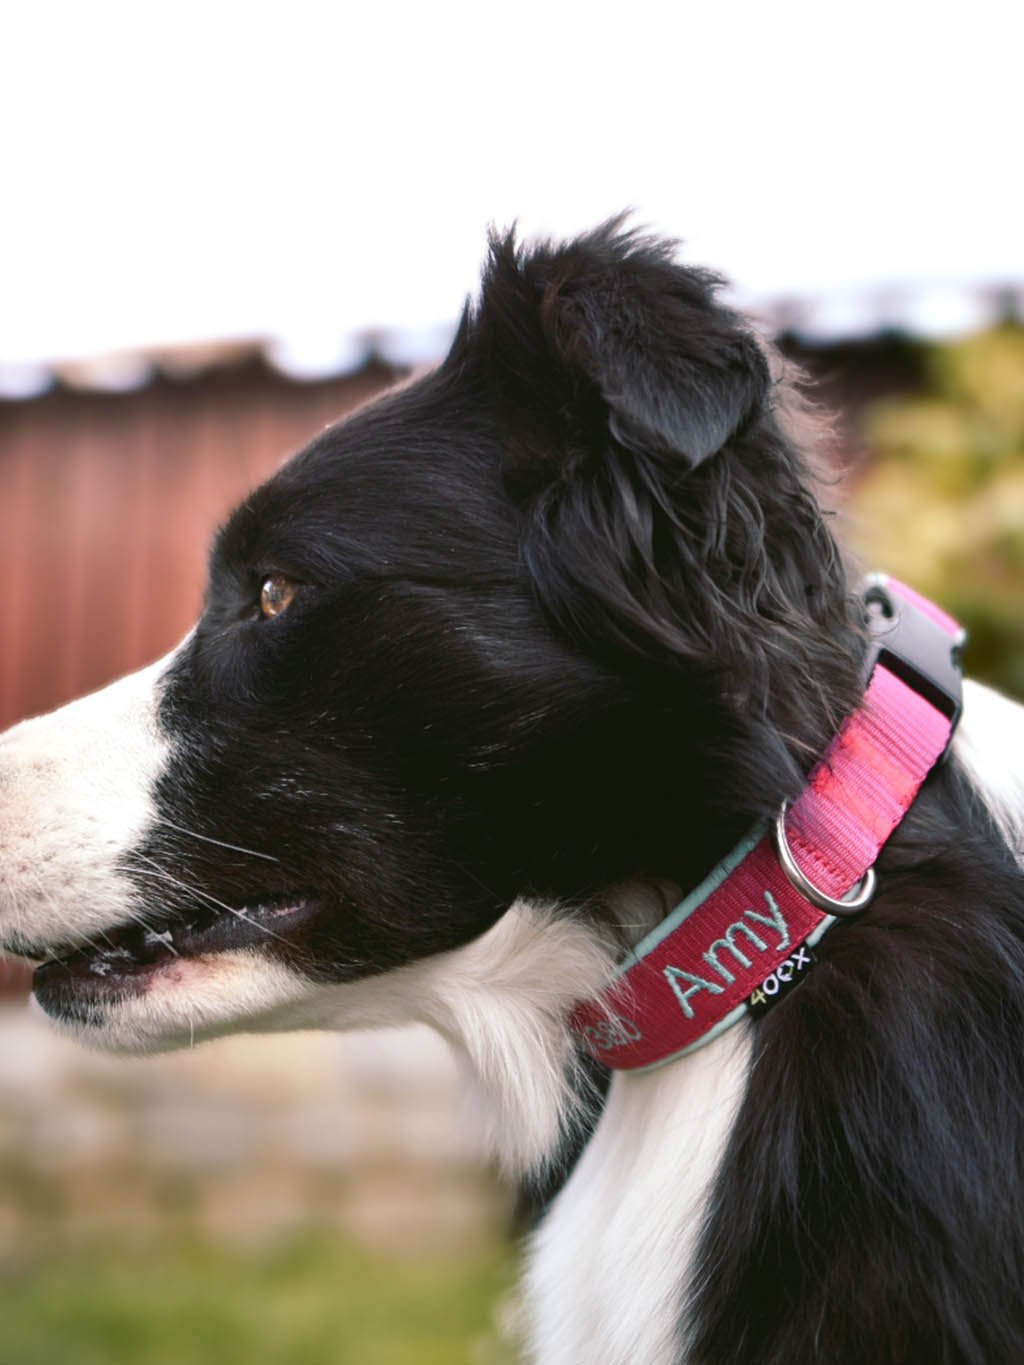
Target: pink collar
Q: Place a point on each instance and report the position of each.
(744, 936)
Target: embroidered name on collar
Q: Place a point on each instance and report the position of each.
(774, 919)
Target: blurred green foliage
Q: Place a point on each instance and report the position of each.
(315, 1304)
(941, 504)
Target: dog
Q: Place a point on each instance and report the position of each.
(487, 677)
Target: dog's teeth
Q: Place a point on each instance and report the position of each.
(151, 938)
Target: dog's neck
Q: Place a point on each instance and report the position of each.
(614, 1264)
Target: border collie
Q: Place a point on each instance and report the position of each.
(486, 678)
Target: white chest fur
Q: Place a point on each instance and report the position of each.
(606, 1266)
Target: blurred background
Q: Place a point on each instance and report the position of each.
(223, 227)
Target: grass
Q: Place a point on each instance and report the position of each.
(314, 1304)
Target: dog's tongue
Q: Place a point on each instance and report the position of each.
(15, 981)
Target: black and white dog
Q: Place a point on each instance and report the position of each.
(485, 677)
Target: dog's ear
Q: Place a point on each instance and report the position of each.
(607, 338)
(667, 515)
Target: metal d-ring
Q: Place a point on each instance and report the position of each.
(858, 897)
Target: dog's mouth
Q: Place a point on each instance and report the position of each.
(124, 960)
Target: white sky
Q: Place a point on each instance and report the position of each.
(189, 171)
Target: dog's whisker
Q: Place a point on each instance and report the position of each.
(220, 843)
(198, 894)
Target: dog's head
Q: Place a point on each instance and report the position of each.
(560, 614)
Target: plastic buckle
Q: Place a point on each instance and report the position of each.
(915, 648)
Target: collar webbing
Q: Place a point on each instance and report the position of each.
(746, 930)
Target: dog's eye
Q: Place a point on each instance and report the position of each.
(276, 594)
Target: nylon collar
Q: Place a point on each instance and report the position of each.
(745, 936)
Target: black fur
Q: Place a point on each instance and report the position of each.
(571, 614)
